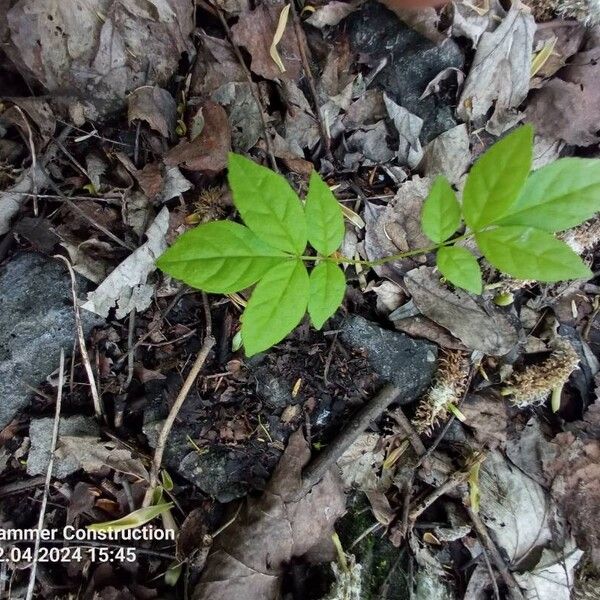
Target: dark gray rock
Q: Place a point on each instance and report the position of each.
(215, 473)
(36, 321)
(407, 363)
(412, 62)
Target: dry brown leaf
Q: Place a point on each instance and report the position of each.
(422, 327)
(575, 477)
(255, 31)
(489, 331)
(99, 50)
(396, 227)
(216, 65)
(567, 107)
(207, 151)
(248, 558)
(486, 414)
(500, 72)
(155, 106)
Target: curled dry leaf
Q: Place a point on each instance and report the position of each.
(500, 72)
(155, 106)
(113, 47)
(248, 558)
(127, 287)
(207, 151)
(255, 31)
(488, 330)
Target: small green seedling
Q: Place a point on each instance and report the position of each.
(510, 213)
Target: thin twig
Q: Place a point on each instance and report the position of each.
(40, 525)
(33, 160)
(413, 437)
(311, 81)
(130, 353)
(490, 569)
(85, 358)
(253, 87)
(495, 555)
(329, 456)
(209, 342)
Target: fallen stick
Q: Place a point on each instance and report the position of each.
(315, 471)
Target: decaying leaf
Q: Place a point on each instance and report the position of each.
(553, 576)
(248, 557)
(155, 106)
(207, 150)
(331, 14)
(397, 227)
(13, 198)
(408, 127)
(127, 287)
(566, 108)
(256, 30)
(99, 50)
(448, 154)
(500, 72)
(488, 330)
(361, 463)
(514, 507)
(574, 474)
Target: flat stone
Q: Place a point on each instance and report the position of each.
(40, 436)
(36, 321)
(407, 363)
(412, 62)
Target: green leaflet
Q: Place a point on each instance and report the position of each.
(497, 177)
(324, 217)
(276, 306)
(440, 216)
(327, 288)
(460, 267)
(267, 204)
(558, 196)
(221, 257)
(137, 518)
(527, 253)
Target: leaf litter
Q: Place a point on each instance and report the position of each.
(391, 101)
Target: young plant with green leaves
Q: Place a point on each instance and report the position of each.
(510, 213)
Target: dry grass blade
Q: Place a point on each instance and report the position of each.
(40, 525)
(98, 411)
(281, 24)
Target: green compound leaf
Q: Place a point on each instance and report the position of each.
(440, 216)
(527, 253)
(497, 177)
(558, 196)
(220, 257)
(276, 306)
(327, 288)
(324, 217)
(460, 267)
(267, 204)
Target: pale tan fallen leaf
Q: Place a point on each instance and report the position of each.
(279, 31)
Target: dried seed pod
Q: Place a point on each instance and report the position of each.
(534, 384)
(585, 11)
(447, 390)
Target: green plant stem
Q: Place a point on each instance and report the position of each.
(387, 259)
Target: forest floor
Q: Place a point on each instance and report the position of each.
(116, 120)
